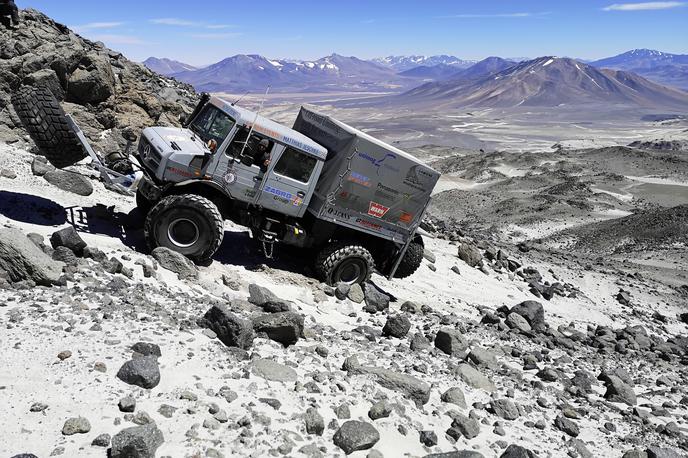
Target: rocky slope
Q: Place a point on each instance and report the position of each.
(102, 89)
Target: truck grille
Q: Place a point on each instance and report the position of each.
(149, 155)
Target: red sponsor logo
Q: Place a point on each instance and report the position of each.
(377, 210)
(406, 217)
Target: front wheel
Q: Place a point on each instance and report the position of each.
(344, 262)
(189, 224)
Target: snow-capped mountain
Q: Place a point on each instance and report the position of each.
(254, 72)
(549, 81)
(403, 63)
(167, 66)
(666, 68)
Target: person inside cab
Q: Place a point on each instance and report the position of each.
(261, 157)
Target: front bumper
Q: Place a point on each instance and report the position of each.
(149, 189)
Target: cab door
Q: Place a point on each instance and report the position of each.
(289, 182)
(242, 181)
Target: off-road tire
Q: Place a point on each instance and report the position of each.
(200, 211)
(411, 261)
(142, 203)
(46, 122)
(331, 260)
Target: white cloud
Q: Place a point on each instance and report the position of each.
(185, 23)
(643, 6)
(96, 26)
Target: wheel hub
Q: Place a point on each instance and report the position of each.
(183, 232)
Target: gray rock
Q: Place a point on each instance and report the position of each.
(429, 256)
(147, 349)
(450, 341)
(70, 238)
(127, 404)
(660, 452)
(102, 440)
(474, 378)
(396, 326)
(40, 166)
(533, 312)
(618, 391)
(341, 291)
(77, 425)
(483, 357)
(176, 262)
(65, 255)
(137, 442)
(468, 427)
(356, 435)
(355, 293)
(282, 327)
(516, 321)
(635, 453)
(232, 330)
(93, 82)
(70, 182)
(516, 451)
(273, 371)
(22, 260)
(413, 388)
(266, 299)
(315, 424)
(505, 408)
(567, 426)
(376, 301)
(419, 342)
(143, 372)
(457, 454)
(470, 254)
(428, 438)
(9, 174)
(454, 396)
(381, 409)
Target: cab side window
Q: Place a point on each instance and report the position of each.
(296, 165)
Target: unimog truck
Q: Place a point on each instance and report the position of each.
(349, 202)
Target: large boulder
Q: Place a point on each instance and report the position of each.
(273, 371)
(282, 327)
(176, 262)
(70, 238)
(70, 182)
(356, 435)
(22, 260)
(618, 391)
(93, 82)
(533, 312)
(450, 341)
(137, 442)
(266, 299)
(396, 326)
(375, 300)
(470, 254)
(475, 378)
(143, 372)
(232, 330)
(408, 385)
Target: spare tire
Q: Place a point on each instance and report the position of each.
(46, 122)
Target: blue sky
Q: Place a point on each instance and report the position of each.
(206, 31)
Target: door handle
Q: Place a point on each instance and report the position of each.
(257, 178)
(301, 194)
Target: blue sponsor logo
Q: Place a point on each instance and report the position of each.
(278, 192)
(381, 164)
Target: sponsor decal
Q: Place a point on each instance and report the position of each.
(180, 172)
(278, 192)
(386, 192)
(417, 178)
(358, 178)
(297, 201)
(377, 210)
(339, 214)
(381, 164)
(229, 178)
(346, 196)
(406, 217)
(368, 224)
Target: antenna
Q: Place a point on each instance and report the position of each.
(240, 98)
(241, 153)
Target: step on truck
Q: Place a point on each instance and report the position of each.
(351, 203)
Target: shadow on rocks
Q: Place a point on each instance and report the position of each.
(25, 208)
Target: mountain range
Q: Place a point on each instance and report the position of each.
(546, 82)
(492, 82)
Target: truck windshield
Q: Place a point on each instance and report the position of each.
(212, 124)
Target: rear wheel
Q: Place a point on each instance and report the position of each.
(46, 122)
(344, 262)
(189, 224)
(411, 261)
